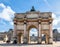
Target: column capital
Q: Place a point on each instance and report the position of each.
(25, 18)
(25, 22)
(50, 22)
(15, 22)
(39, 22)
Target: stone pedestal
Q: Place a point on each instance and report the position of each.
(39, 40)
(25, 41)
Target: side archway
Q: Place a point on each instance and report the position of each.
(19, 38)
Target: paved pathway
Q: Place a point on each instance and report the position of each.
(57, 44)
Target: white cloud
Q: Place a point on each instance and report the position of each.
(11, 23)
(56, 19)
(53, 15)
(2, 5)
(7, 13)
(58, 29)
(55, 22)
(57, 12)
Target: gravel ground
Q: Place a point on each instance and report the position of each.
(55, 44)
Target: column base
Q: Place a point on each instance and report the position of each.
(50, 43)
(39, 43)
(39, 40)
(14, 40)
(25, 43)
(25, 40)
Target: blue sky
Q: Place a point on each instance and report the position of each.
(9, 7)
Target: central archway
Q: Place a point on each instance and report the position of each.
(33, 34)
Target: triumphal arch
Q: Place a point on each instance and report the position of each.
(42, 21)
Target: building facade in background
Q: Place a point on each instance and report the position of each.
(5, 36)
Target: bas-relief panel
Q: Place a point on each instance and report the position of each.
(44, 22)
(21, 31)
(44, 15)
(20, 16)
(20, 27)
(45, 26)
(32, 16)
(32, 23)
(20, 23)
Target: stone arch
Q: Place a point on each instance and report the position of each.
(32, 26)
(28, 30)
(46, 37)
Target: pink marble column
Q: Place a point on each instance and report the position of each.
(51, 34)
(25, 37)
(14, 33)
(39, 33)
